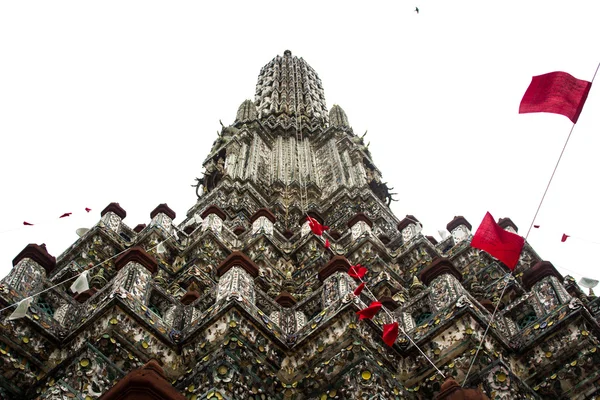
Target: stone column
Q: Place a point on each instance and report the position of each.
(443, 280)
(337, 284)
(163, 216)
(545, 282)
(410, 227)
(112, 217)
(236, 277)
(262, 221)
(136, 268)
(460, 229)
(360, 224)
(212, 218)
(30, 268)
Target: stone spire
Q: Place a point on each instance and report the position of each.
(288, 87)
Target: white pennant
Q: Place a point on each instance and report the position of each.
(22, 308)
(161, 248)
(588, 283)
(81, 283)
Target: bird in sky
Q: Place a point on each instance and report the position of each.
(417, 10)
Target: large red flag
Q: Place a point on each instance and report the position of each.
(370, 311)
(556, 92)
(390, 333)
(505, 246)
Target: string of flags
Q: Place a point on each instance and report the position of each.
(390, 331)
(64, 215)
(318, 229)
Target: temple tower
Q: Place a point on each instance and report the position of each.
(241, 300)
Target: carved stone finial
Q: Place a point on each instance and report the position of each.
(148, 382)
(238, 259)
(538, 272)
(139, 227)
(246, 112)
(139, 255)
(263, 212)
(115, 208)
(451, 390)
(163, 208)
(337, 117)
(505, 223)
(416, 286)
(37, 253)
(285, 299)
(336, 264)
(190, 296)
(439, 266)
(456, 222)
(409, 219)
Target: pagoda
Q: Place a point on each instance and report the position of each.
(242, 300)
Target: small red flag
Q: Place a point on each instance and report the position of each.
(327, 245)
(536, 226)
(359, 289)
(88, 209)
(555, 92)
(564, 237)
(27, 223)
(390, 333)
(491, 238)
(315, 226)
(357, 271)
(370, 311)
(65, 215)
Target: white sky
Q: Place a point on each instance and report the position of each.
(121, 101)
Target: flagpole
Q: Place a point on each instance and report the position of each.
(526, 236)
(556, 166)
(550, 181)
(487, 328)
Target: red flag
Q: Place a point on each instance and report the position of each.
(327, 245)
(315, 226)
(370, 311)
(88, 209)
(27, 223)
(491, 238)
(357, 271)
(65, 215)
(564, 237)
(359, 289)
(536, 226)
(556, 92)
(390, 333)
